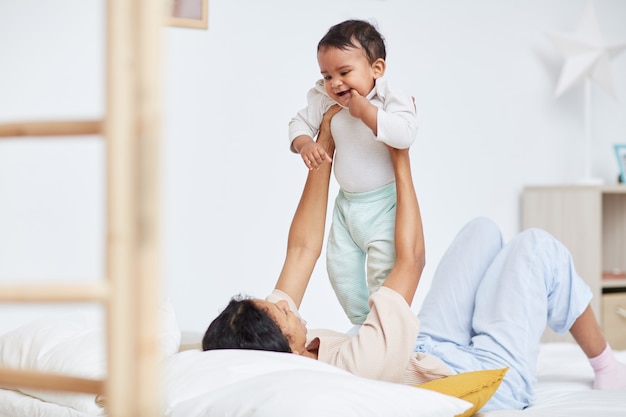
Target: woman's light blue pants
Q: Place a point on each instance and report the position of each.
(490, 302)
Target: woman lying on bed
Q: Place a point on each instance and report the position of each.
(487, 308)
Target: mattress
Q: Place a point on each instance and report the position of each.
(563, 389)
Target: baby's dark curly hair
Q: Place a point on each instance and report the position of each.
(344, 35)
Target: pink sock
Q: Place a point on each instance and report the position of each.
(610, 373)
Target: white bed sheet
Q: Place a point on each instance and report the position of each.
(563, 389)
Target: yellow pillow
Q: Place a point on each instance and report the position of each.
(476, 387)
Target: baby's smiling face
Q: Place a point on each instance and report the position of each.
(344, 70)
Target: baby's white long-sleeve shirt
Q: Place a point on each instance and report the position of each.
(362, 161)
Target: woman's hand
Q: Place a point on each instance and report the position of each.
(306, 234)
(409, 236)
(314, 154)
(325, 138)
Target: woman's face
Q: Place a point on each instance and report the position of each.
(289, 324)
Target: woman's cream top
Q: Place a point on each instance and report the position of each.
(383, 347)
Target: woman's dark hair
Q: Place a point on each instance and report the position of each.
(244, 325)
(344, 34)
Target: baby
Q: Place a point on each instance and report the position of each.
(374, 115)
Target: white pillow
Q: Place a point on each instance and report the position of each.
(270, 384)
(58, 346)
(68, 347)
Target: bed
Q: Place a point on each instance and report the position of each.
(269, 384)
(563, 388)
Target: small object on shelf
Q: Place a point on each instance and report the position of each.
(614, 273)
(620, 152)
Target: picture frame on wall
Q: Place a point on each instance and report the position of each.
(620, 152)
(192, 14)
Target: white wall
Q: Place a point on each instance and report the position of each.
(483, 74)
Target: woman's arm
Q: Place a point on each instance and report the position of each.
(409, 235)
(306, 233)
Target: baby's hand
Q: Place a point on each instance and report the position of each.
(313, 155)
(358, 104)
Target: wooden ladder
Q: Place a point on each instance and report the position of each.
(130, 290)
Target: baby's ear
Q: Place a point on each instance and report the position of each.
(379, 67)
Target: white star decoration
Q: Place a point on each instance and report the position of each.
(587, 54)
